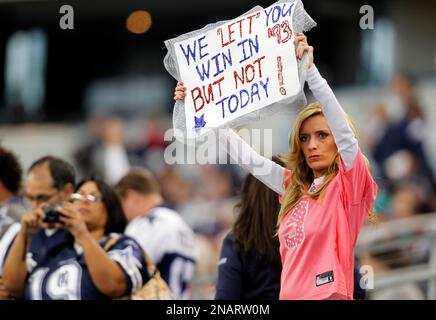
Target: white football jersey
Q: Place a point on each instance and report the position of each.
(169, 242)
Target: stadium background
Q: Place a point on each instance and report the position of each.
(61, 89)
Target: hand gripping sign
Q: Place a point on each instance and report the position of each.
(239, 70)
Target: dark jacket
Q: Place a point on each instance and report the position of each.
(244, 277)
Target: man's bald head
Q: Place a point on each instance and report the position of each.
(49, 180)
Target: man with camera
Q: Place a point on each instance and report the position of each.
(49, 182)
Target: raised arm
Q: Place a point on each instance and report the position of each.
(333, 112)
(335, 116)
(267, 171)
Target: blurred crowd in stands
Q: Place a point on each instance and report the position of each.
(205, 195)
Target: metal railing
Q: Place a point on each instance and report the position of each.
(410, 266)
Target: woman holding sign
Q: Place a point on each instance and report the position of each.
(326, 192)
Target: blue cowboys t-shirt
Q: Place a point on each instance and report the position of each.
(57, 268)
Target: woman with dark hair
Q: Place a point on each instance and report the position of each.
(73, 264)
(250, 266)
(116, 221)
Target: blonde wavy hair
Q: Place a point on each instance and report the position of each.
(302, 176)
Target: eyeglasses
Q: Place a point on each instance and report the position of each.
(89, 197)
(39, 198)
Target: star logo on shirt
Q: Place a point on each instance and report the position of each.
(199, 122)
